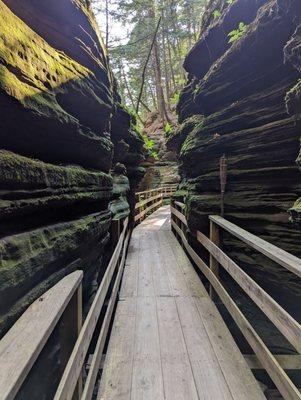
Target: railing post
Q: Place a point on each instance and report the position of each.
(215, 238)
(140, 209)
(71, 324)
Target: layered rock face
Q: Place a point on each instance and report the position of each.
(58, 141)
(161, 166)
(242, 99)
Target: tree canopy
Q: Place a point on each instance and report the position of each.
(178, 23)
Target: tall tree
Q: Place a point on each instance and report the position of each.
(163, 77)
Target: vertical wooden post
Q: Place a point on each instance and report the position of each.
(70, 326)
(215, 238)
(140, 209)
(172, 216)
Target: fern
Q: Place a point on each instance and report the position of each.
(175, 98)
(216, 14)
(237, 33)
(167, 128)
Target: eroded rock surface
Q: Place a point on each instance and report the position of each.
(61, 123)
(162, 166)
(242, 99)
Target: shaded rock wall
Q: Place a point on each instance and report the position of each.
(243, 100)
(60, 122)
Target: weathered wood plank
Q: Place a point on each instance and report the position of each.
(289, 327)
(208, 375)
(177, 373)
(276, 254)
(148, 209)
(149, 200)
(129, 286)
(195, 286)
(178, 284)
(239, 378)
(179, 215)
(286, 361)
(116, 380)
(23, 343)
(147, 379)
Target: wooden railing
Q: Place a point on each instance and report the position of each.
(21, 346)
(24, 342)
(149, 201)
(286, 324)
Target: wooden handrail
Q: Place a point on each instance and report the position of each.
(96, 359)
(284, 322)
(23, 343)
(146, 201)
(145, 205)
(282, 257)
(170, 188)
(74, 366)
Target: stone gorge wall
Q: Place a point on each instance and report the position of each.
(60, 128)
(243, 100)
(162, 170)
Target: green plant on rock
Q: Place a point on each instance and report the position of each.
(216, 14)
(230, 2)
(236, 34)
(167, 129)
(149, 145)
(175, 98)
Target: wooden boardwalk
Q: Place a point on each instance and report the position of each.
(168, 340)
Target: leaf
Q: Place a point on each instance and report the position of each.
(216, 14)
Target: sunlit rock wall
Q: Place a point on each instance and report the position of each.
(161, 166)
(242, 99)
(58, 111)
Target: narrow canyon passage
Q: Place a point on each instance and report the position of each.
(150, 188)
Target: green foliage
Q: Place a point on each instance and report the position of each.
(136, 20)
(181, 81)
(167, 129)
(236, 34)
(216, 14)
(230, 2)
(175, 98)
(149, 145)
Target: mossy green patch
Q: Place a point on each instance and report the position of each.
(19, 171)
(34, 73)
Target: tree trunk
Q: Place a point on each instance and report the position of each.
(159, 89)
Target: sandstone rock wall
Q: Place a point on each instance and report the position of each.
(162, 167)
(59, 137)
(242, 99)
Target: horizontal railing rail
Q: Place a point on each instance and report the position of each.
(149, 201)
(286, 324)
(23, 343)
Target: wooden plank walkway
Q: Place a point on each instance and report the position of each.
(168, 340)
